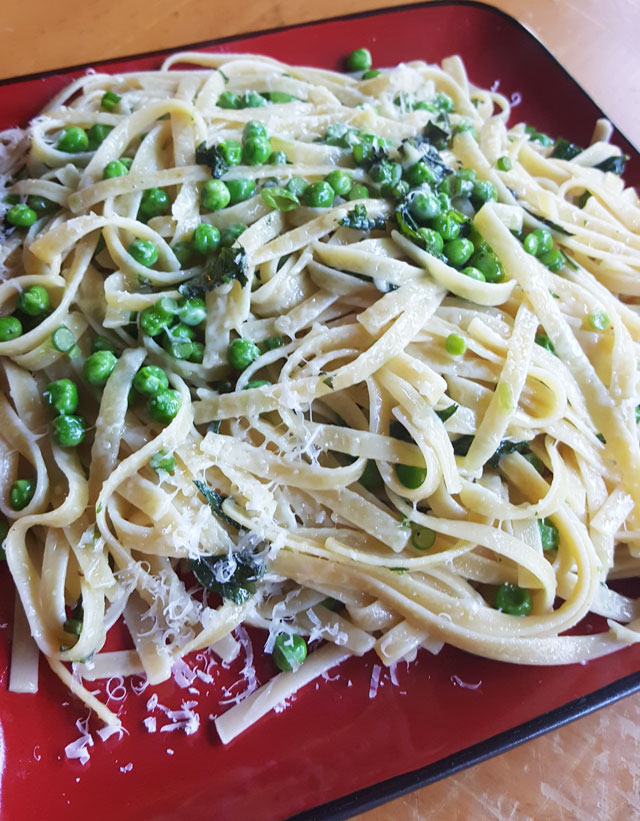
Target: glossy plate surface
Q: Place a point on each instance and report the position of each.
(333, 740)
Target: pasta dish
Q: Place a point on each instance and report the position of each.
(348, 357)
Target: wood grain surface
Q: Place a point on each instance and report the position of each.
(588, 769)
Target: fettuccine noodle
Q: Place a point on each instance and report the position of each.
(402, 407)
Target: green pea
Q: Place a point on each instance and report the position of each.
(149, 380)
(152, 321)
(553, 260)
(537, 136)
(197, 353)
(514, 600)
(127, 162)
(289, 651)
(101, 343)
(68, 431)
(231, 151)
(425, 206)
(531, 244)
(410, 476)
(483, 191)
(42, 205)
(206, 239)
(97, 134)
(241, 353)
(272, 343)
(370, 478)
(110, 100)
(447, 226)
(63, 339)
(455, 344)
(548, 534)
(62, 396)
(466, 126)
(340, 135)
(214, 195)
(256, 383)
(503, 164)
(251, 99)
(21, 216)
(460, 185)
(359, 60)
(185, 253)
(228, 100)
(473, 273)
(73, 140)
(598, 321)
(371, 74)
(442, 102)
(21, 493)
(154, 203)
(10, 328)
(162, 460)
(240, 190)
(340, 181)
(34, 300)
(164, 405)
(297, 186)
(178, 341)
(487, 263)
(144, 252)
(545, 240)
(386, 173)
(445, 203)
(280, 97)
(319, 195)
(11, 199)
(422, 538)
(277, 158)
(98, 367)
(397, 191)
(231, 234)
(192, 311)
(419, 173)
(433, 242)
(458, 251)
(358, 192)
(256, 151)
(254, 128)
(115, 168)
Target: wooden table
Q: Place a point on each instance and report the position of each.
(589, 769)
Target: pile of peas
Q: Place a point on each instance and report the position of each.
(175, 322)
(33, 305)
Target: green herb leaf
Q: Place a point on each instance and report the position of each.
(232, 576)
(357, 219)
(550, 223)
(616, 165)
(447, 413)
(504, 448)
(215, 500)
(212, 158)
(462, 444)
(229, 264)
(564, 150)
(280, 198)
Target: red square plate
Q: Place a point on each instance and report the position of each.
(333, 748)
